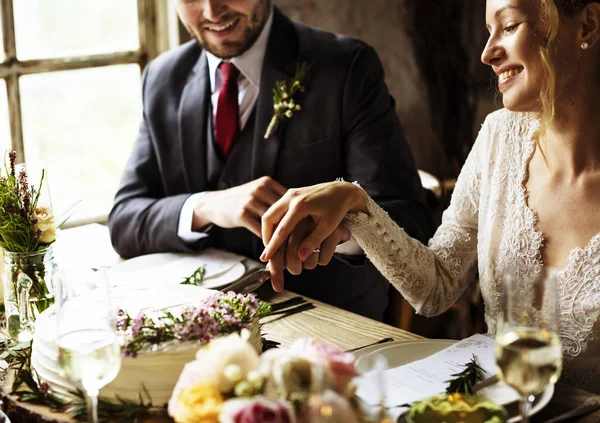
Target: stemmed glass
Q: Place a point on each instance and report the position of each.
(88, 347)
(528, 349)
(372, 366)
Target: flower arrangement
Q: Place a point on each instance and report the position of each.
(284, 104)
(24, 227)
(229, 383)
(219, 314)
(27, 230)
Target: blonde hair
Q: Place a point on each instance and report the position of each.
(549, 19)
(551, 11)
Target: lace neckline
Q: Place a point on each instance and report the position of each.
(532, 217)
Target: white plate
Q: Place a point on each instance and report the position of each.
(224, 279)
(141, 266)
(144, 262)
(399, 353)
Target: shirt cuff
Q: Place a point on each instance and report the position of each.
(186, 215)
(349, 248)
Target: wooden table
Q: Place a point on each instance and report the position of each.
(326, 323)
(348, 330)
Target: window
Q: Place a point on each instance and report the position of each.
(70, 99)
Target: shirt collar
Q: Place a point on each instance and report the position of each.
(250, 62)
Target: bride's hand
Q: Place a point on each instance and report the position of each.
(326, 204)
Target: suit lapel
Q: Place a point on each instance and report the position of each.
(193, 113)
(282, 49)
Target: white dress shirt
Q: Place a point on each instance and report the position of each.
(250, 66)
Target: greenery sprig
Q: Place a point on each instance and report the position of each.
(463, 382)
(284, 104)
(195, 278)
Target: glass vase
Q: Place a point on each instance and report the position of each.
(28, 280)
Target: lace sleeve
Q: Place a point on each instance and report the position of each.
(431, 278)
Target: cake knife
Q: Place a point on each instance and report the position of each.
(250, 283)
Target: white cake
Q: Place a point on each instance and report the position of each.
(156, 370)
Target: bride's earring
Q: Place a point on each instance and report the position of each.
(585, 45)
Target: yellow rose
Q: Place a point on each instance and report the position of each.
(198, 404)
(45, 223)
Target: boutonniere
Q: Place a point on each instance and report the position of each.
(284, 104)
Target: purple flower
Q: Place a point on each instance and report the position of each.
(137, 325)
(13, 157)
(122, 320)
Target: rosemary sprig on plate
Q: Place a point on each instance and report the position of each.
(463, 382)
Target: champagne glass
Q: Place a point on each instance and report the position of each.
(88, 347)
(528, 349)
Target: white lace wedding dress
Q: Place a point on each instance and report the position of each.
(489, 227)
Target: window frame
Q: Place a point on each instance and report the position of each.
(154, 20)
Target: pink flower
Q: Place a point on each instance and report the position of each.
(339, 363)
(256, 410)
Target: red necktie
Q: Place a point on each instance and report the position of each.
(227, 124)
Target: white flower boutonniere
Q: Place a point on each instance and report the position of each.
(283, 97)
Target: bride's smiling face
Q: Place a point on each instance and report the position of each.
(513, 51)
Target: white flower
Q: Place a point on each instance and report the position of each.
(211, 362)
(45, 224)
(289, 113)
(233, 373)
(288, 375)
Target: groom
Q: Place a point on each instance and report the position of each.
(206, 164)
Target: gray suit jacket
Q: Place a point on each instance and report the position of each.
(347, 128)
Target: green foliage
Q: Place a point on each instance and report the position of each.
(281, 93)
(284, 104)
(195, 278)
(18, 203)
(463, 382)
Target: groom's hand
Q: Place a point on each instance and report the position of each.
(287, 256)
(238, 207)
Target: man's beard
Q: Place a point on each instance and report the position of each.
(229, 49)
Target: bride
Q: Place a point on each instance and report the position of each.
(527, 198)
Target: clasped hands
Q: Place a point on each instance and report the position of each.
(305, 219)
(292, 223)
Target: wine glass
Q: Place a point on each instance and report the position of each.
(372, 366)
(88, 347)
(528, 349)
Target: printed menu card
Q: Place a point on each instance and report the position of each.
(429, 376)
